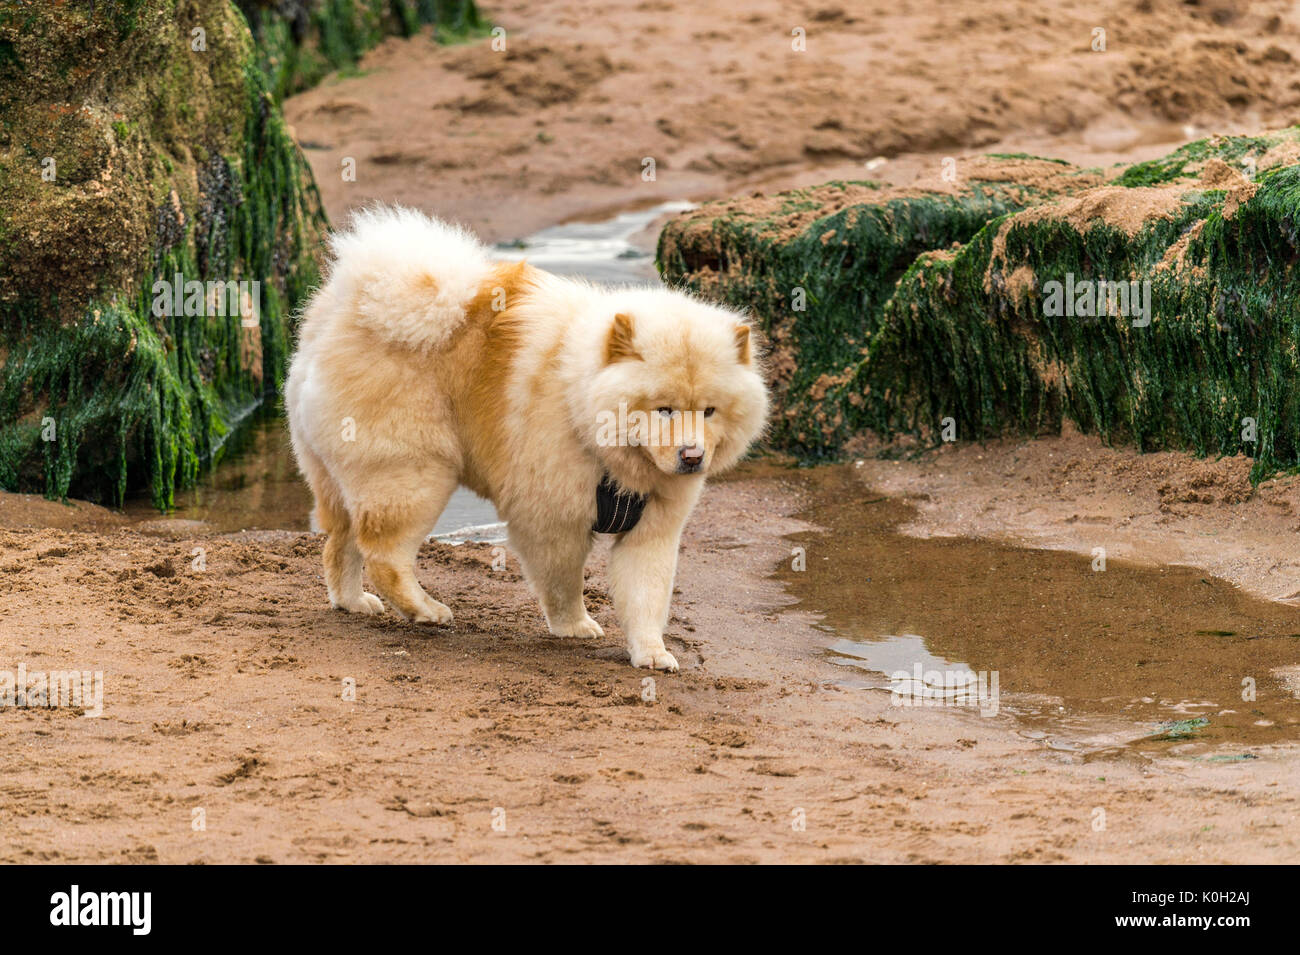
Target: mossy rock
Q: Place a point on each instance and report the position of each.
(300, 41)
(818, 265)
(133, 148)
(977, 336)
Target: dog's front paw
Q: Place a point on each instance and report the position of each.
(367, 604)
(585, 627)
(431, 611)
(656, 658)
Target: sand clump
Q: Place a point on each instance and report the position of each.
(530, 76)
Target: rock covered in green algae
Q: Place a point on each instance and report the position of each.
(1011, 330)
(138, 141)
(817, 265)
(299, 41)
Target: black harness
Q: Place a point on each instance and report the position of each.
(616, 510)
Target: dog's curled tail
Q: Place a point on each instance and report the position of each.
(407, 276)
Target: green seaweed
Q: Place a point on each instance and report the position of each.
(1181, 729)
(1186, 159)
(300, 41)
(100, 396)
(940, 356)
(1212, 373)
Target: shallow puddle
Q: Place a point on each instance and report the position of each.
(1157, 658)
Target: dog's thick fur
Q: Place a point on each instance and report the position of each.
(421, 365)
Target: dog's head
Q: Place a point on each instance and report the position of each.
(680, 383)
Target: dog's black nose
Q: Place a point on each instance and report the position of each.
(691, 457)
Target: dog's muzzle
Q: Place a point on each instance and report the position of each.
(690, 460)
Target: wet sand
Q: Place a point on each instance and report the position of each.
(224, 693)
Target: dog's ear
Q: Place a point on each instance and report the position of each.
(618, 345)
(742, 344)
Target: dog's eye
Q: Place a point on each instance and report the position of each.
(666, 412)
(708, 412)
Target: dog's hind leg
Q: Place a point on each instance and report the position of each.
(342, 556)
(553, 562)
(343, 567)
(391, 526)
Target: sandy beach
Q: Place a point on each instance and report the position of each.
(235, 696)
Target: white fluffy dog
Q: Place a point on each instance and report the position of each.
(421, 365)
